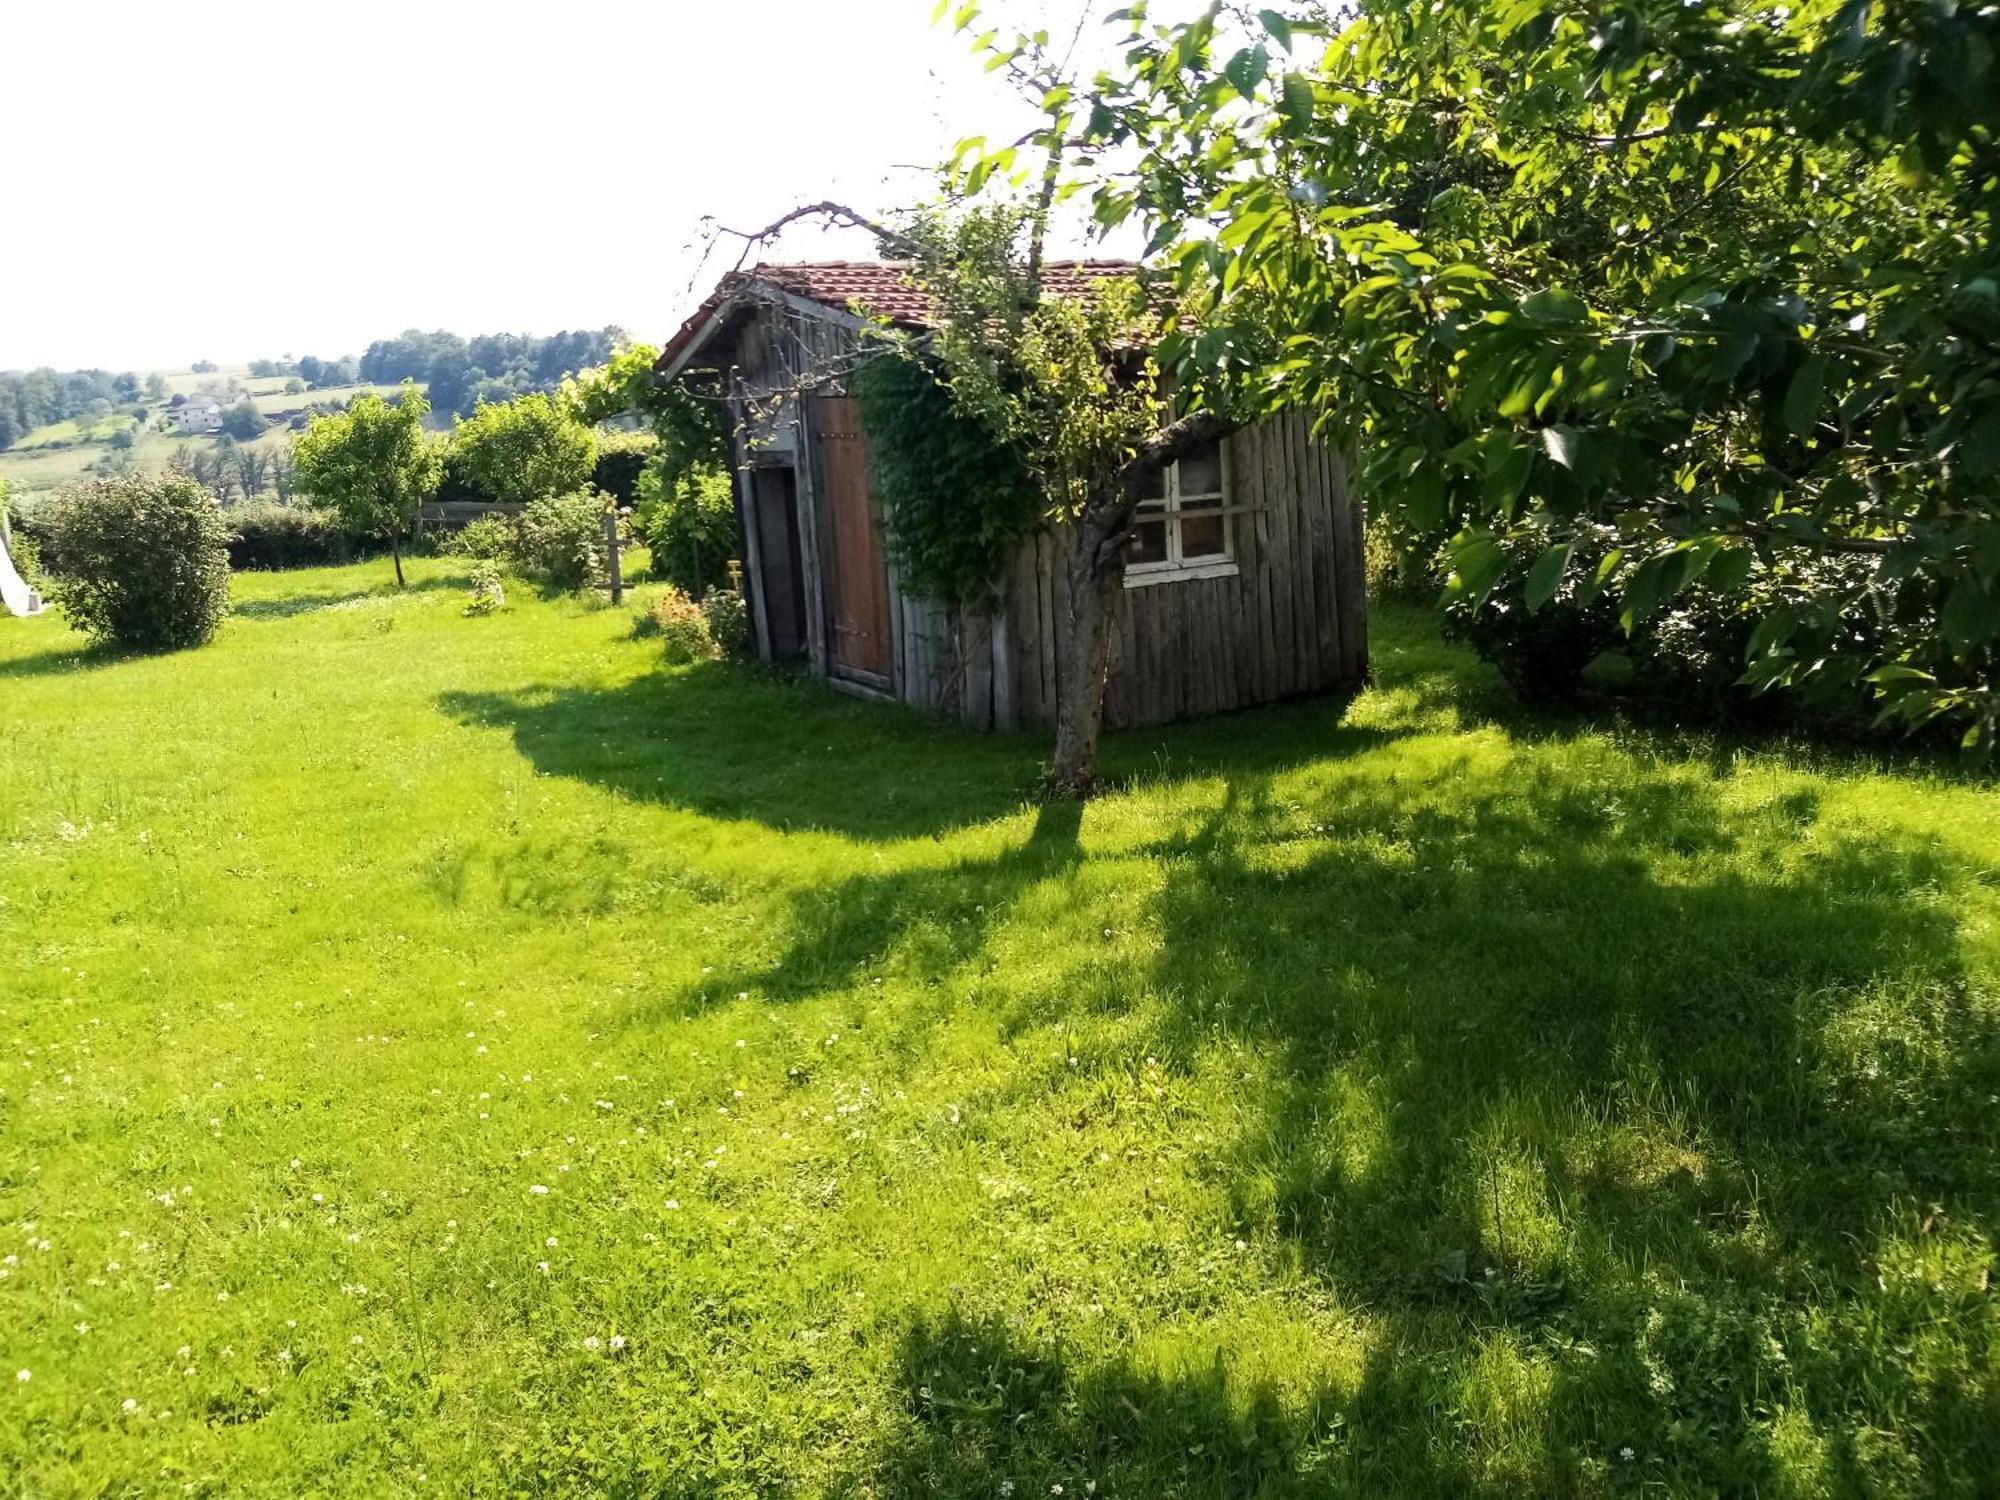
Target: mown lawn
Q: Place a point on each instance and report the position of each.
(465, 1057)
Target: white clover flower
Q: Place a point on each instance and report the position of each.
(591, 1341)
(131, 1404)
(673, 1205)
(617, 1342)
(538, 1189)
(24, 1375)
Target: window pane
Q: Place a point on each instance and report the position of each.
(1201, 470)
(1202, 502)
(1201, 536)
(1149, 542)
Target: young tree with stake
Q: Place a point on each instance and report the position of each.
(372, 465)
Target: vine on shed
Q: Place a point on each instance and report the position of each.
(956, 498)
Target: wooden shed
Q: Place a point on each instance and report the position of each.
(1244, 585)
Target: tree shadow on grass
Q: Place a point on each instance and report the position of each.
(83, 657)
(781, 750)
(291, 605)
(1655, 1085)
(1596, 1075)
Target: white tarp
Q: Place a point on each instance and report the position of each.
(14, 590)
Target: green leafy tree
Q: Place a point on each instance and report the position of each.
(372, 464)
(526, 449)
(1721, 278)
(243, 421)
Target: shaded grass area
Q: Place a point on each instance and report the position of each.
(1403, 1096)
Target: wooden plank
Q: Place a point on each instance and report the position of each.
(811, 547)
(976, 667)
(1284, 561)
(1313, 511)
(1298, 470)
(1024, 606)
(753, 563)
(1006, 669)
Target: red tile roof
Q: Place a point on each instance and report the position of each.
(876, 288)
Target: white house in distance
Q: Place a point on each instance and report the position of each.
(200, 414)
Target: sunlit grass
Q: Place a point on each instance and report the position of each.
(1399, 1097)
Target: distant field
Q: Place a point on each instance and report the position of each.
(28, 472)
(275, 399)
(63, 452)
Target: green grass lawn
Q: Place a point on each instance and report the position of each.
(462, 1056)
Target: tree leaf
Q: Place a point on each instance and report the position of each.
(1298, 100)
(1279, 27)
(1970, 615)
(1546, 576)
(1246, 70)
(1802, 395)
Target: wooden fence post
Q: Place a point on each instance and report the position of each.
(611, 550)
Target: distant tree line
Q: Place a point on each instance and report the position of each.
(34, 398)
(493, 367)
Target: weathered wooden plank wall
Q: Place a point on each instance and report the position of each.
(1292, 619)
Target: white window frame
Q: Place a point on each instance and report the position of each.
(1173, 568)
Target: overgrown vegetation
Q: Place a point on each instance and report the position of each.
(689, 525)
(144, 562)
(560, 540)
(1409, 1097)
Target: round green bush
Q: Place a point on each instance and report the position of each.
(145, 560)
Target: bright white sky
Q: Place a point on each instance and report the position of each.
(235, 179)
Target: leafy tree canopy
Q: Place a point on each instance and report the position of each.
(1720, 277)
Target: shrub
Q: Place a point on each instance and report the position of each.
(689, 524)
(621, 459)
(145, 561)
(681, 626)
(286, 536)
(728, 622)
(490, 538)
(487, 595)
(562, 540)
(1541, 652)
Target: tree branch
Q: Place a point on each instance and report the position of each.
(893, 240)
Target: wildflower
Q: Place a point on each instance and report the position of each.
(538, 1189)
(284, 1356)
(355, 1341)
(131, 1404)
(1627, 1454)
(673, 1205)
(24, 1375)
(591, 1341)
(542, 1266)
(550, 1242)
(617, 1342)
(83, 1328)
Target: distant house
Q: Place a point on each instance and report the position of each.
(1244, 583)
(200, 414)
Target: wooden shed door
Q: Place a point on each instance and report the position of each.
(857, 585)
